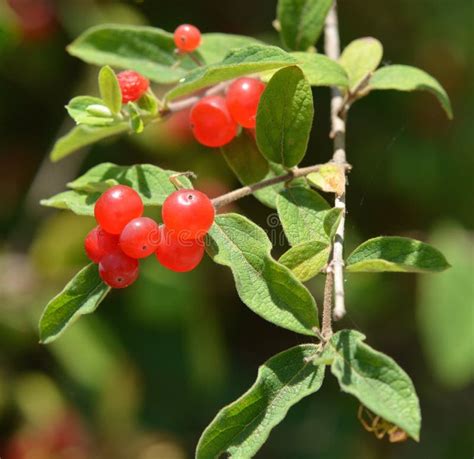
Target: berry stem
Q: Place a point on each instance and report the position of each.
(240, 193)
(174, 179)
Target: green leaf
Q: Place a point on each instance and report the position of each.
(375, 380)
(81, 296)
(147, 50)
(241, 428)
(406, 78)
(243, 61)
(245, 160)
(148, 103)
(215, 46)
(151, 182)
(331, 222)
(79, 202)
(301, 21)
(269, 194)
(445, 309)
(396, 254)
(110, 89)
(136, 122)
(265, 286)
(302, 213)
(90, 110)
(81, 136)
(318, 69)
(360, 58)
(285, 117)
(307, 259)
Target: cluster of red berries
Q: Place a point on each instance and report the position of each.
(215, 119)
(124, 235)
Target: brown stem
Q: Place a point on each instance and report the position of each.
(249, 189)
(338, 133)
(326, 328)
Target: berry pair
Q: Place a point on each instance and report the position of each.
(215, 119)
(124, 236)
(187, 216)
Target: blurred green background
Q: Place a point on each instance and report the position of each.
(142, 377)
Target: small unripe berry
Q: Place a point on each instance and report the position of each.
(176, 254)
(133, 85)
(140, 237)
(188, 213)
(187, 38)
(98, 243)
(242, 100)
(212, 123)
(116, 207)
(118, 270)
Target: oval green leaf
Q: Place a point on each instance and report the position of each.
(301, 21)
(396, 254)
(241, 428)
(83, 135)
(360, 58)
(151, 182)
(81, 296)
(307, 259)
(110, 89)
(78, 111)
(265, 286)
(285, 117)
(302, 214)
(375, 380)
(406, 78)
(147, 50)
(243, 61)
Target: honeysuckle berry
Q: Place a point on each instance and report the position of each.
(140, 237)
(211, 122)
(187, 38)
(98, 243)
(132, 85)
(242, 100)
(118, 270)
(188, 213)
(116, 207)
(177, 254)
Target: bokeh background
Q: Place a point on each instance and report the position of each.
(142, 377)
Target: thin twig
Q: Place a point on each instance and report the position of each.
(326, 329)
(338, 133)
(173, 107)
(239, 193)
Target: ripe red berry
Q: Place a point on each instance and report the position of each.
(211, 122)
(242, 100)
(118, 270)
(133, 85)
(116, 207)
(98, 243)
(187, 38)
(140, 237)
(188, 213)
(177, 254)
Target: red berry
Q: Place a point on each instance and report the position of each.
(188, 213)
(211, 122)
(177, 254)
(242, 100)
(98, 243)
(187, 38)
(118, 270)
(133, 85)
(116, 207)
(140, 237)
